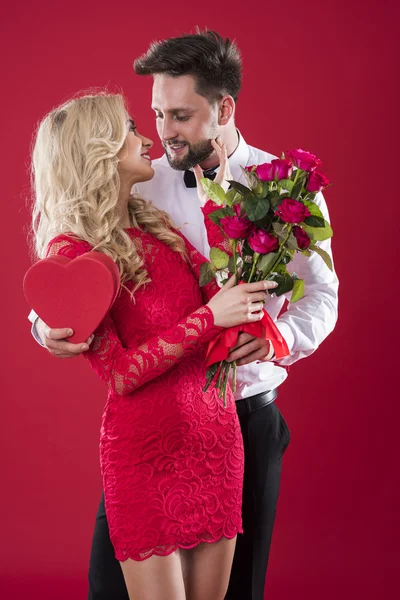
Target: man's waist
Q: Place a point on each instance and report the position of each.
(257, 379)
(253, 403)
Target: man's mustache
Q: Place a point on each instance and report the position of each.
(174, 142)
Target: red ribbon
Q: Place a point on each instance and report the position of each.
(218, 347)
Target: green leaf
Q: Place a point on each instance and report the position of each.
(265, 189)
(230, 197)
(214, 191)
(324, 255)
(284, 281)
(292, 242)
(219, 258)
(256, 208)
(207, 273)
(280, 229)
(273, 198)
(239, 187)
(286, 184)
(318, 234)
(265, 222)
(297, 187)
(281, 269)
(216, 215)
(315, 221)
(251, 178)
(313, 208)
(265, 262)
(298, 290)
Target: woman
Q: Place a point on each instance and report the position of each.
(171, 455)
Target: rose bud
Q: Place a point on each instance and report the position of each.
(236, 227)
(317, 182)
(303, 160)
(292, 211)
(283, 168)
(303, 241)
(266, 172)
(262, 242)
(251, 168)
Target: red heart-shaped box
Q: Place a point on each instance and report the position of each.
(75, 293)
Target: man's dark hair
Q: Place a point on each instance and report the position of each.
(214, 62)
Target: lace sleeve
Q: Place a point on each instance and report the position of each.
(65, 246)
(124, 369)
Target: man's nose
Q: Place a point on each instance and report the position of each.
(168, 130)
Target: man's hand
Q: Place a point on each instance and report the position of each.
(249, 349)
(56, 343)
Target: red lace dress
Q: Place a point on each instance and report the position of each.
(171, 455)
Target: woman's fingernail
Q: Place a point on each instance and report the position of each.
(69, 332)
(84, 347)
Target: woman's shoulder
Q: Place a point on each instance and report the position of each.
(67, 245)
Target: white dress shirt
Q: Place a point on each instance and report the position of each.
(306, 323)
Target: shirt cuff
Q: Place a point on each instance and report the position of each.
(286, 333)
(33, 317)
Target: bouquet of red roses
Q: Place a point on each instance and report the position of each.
(265, 223)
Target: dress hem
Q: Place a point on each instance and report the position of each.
(176, 547)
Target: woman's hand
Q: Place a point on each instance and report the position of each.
(223, 175)
(237, 304)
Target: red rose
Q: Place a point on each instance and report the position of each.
(303, 241)
(277, 169)
(236, 227)
(317, 181)
(283, 168)
(266, 172)
(303, 160)
(251, 168)
(292, 211)
(262, 242)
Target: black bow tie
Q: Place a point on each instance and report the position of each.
(190, 179)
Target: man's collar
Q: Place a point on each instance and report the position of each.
(239, 158)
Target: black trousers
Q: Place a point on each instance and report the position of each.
(265, 437)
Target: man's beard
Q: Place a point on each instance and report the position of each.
(196, 154)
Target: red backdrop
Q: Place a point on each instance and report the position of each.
(316, 75)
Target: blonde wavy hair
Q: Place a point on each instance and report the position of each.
(76, 184)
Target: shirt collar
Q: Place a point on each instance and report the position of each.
(239, 158)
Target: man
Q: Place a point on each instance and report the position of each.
(197, 79)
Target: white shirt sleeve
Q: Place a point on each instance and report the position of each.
(33, 317)
(310, 320)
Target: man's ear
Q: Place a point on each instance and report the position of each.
(226, 110)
